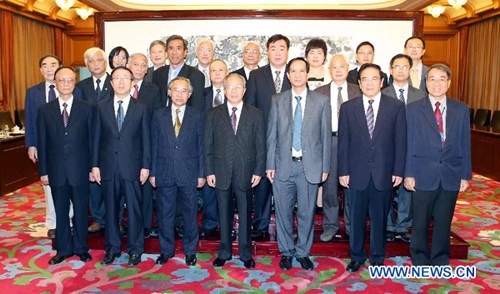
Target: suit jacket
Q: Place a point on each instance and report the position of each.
(352, 90)
(149, 74)
(64, 153)
(316, 136)
(260, 89)
(414, 94)
(196, 77)
(149, 94)
(427, 160)
(227, 154)
(177, 161)
(380, 157)
(241, 72)
(85, 90)
(128, 150)
(35, 97)
(353, 76)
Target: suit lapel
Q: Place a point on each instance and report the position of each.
(168, 127)
(451, 116)
(243, 118)
(310, 109)
(225, 117)
(186, 122)
(110, 114)
(74, 113)
(428, 113)
(57, 113)
(269, 78)
(132, 108)
(381, 116)
(359, 113)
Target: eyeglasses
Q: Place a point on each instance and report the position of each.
(400, 67)
(440, 80)
(248, 51)
(68, 80)
(367, 79)
(121, 78)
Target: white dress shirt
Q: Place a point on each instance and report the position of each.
(405, 92)
(181, 113)
(126, 102)
(334, 92)
(69, 104)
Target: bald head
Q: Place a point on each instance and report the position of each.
(339, 68)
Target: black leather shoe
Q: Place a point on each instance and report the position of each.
(389, 236)
(218, 262)
(305, 263)
(286, 262)
(405, 237)
(134, 259)
(59, 258)
(85, 257)
(249, 263)
(109, 258)
(353, 266)
(376, 263)
(191, 260)
(154, 232)
(179, 232)
(163, 258)
(51, 234)
(147, 233)
(206, 233)
(258, 235)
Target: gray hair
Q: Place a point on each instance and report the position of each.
(233, 74)
(440, 67)
(89, 53)
(181, 79)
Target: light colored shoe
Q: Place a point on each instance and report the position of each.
(95, 227)
(327, 236)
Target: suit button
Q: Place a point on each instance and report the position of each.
(118, 138)
(116, 152)
(371, 147)
(65, 146)
(65, 157)
(65, 133)
(440, 162)
(369, 162)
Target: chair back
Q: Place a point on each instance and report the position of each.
(482, 117)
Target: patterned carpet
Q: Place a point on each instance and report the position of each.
(24, 253)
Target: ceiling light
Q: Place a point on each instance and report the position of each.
(65, 5)
(84, 13)
(436, 10)
(457, 3)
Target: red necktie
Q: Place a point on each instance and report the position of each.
(439, 119)
(136, 92)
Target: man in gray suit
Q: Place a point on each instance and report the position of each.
(400, 67)
(339, 91)
(415, 48)
(298, 160)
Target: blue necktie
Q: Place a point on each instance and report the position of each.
(120, 115)
(370, 118)
(52, 93)
(402, 95)
(98, 89)
(297, 125)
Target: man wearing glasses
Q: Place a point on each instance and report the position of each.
(371, 161)
(251, 58)
(400, 89)
(365, 53)
(415, 48)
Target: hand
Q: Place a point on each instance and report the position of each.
(144, 175)
(91, 177)
(152, 181)
(255, 180)
(33, 154)
(464, 185)
(96, 172)
(45, 180)
(324, 176)
(396, 180)
(211, 180)
(201, 182)
(410, 184)
(344, 181)
(270, 175)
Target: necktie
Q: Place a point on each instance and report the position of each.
(277, 81)
(177, 127)
(297, 125)
(402, 95)
(415, 78)
(52, 93)
(234, 119)
(207, 77)
(218, 98)
(136, 92)
(339, 101)
(370, 118)
(120, 115)
(65, 114)
(98, 89)
(439, 120)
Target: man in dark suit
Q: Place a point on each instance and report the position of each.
(398, 225)
(149, 94)
(263, 83)
(371, 158)
(64, 148)
(158, 56)
(298, 159)
(234, 148)
(365, 53)
(177, 169)
(339, 91)
(438, 165)
(251, 59)
(415, 48)
(176, 52)
(94, 89)
(121, 162)
(214, 96)
(37, 96)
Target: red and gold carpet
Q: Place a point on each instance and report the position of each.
(24, 253)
